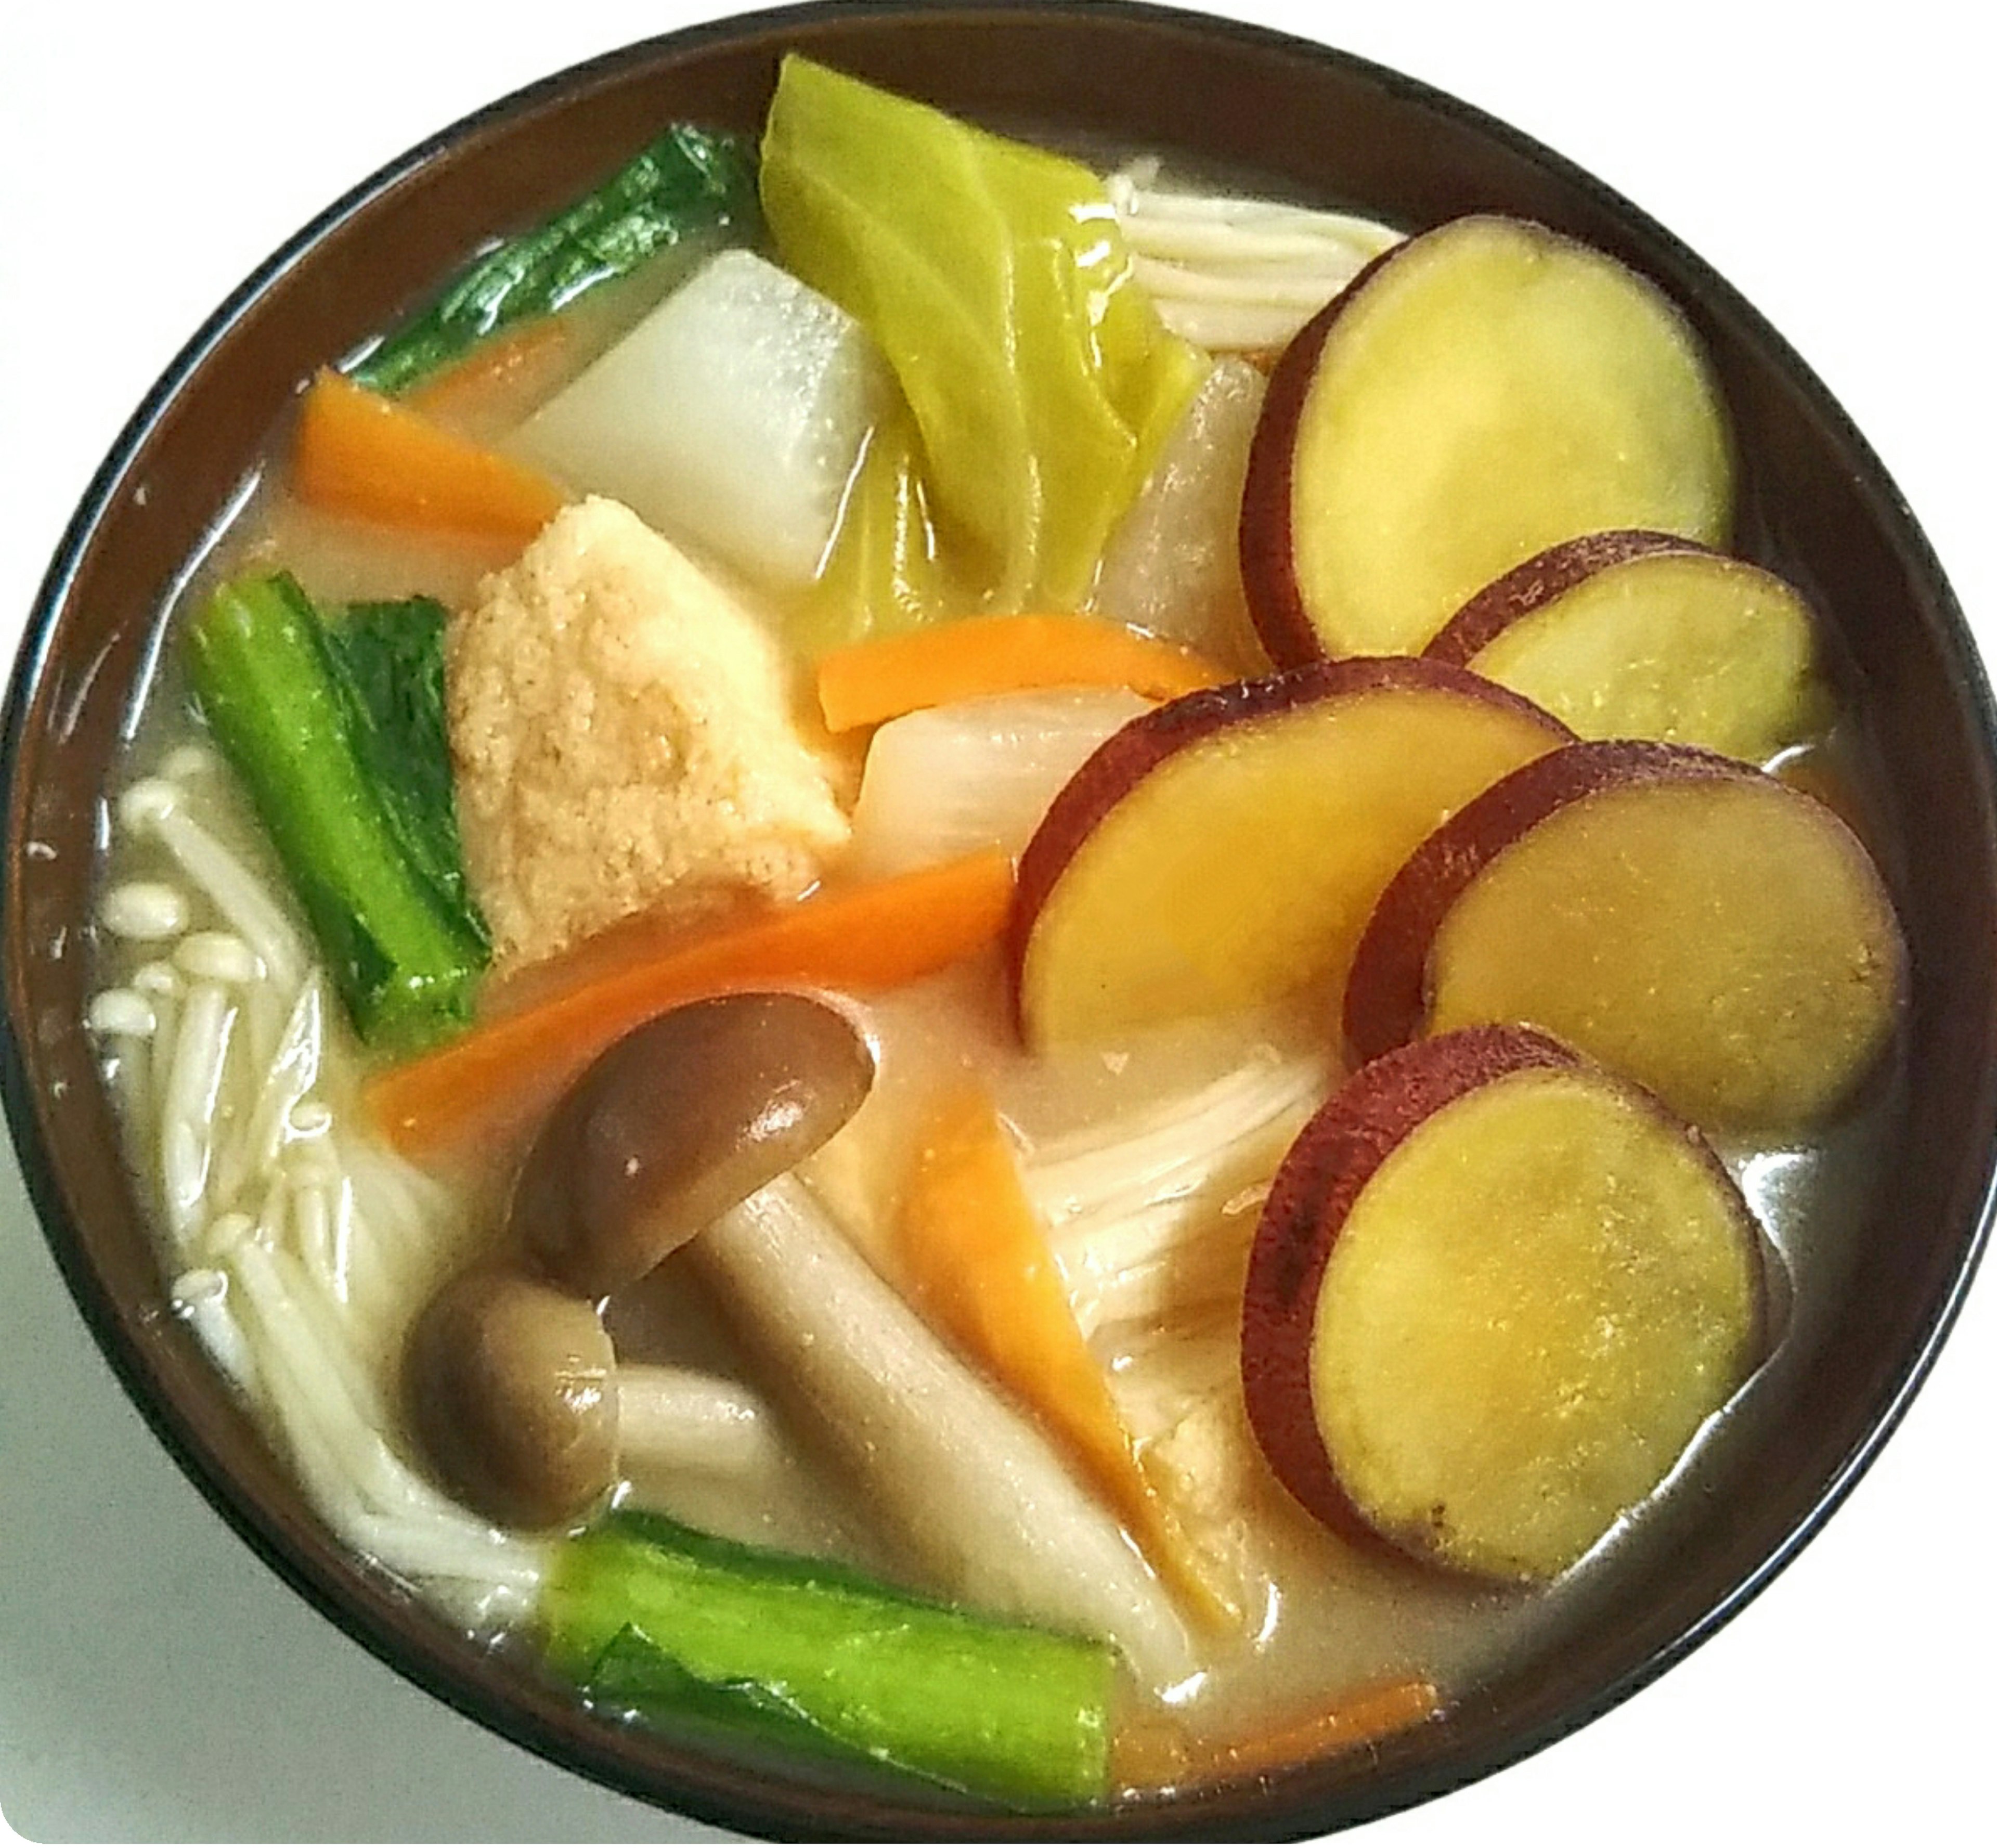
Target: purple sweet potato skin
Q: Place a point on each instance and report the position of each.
(1328, 1166)
(1386, 997)
(1542, 578)
(1121, 760)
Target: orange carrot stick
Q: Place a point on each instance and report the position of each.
(1149, 1757)
(863, 938)
(359, 453)
(975, 655)
(978, 1265)
(508, 365)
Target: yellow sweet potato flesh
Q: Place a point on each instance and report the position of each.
(1540, 1296)
(1725, 942)
(1241, 868)
(1686, 647)
(1493, 391)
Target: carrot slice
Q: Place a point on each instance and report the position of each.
(975, 655)
(496, 372)
(978, 1265)
(870, 936)
(358, 453)
(1153, 1757)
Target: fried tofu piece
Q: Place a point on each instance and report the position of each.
(622, 730)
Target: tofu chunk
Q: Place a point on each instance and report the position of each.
(623, 730)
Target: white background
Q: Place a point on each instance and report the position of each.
(157, 1682)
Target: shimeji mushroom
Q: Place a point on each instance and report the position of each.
(686, 1131)
(526, 1416)
(514, 1389)
(678, 1121)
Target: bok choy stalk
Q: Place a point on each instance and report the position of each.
(686, 183)
(998, 287)
(337, 732)
(652, 1619)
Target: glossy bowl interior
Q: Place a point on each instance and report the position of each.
(1290, 118)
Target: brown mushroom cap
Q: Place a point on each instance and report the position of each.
(683, 1118)
(510, 1387)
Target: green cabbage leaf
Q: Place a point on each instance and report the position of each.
(995, 279)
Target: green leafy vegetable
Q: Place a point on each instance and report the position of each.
(391, 656)
(687, 183)
(999, 288)
(657, 1620)
(340, 759)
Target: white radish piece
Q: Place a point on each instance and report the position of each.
(732, 415)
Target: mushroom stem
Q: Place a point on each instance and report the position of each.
(671, 1419)
(966, 1482)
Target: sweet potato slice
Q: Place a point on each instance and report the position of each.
(1222, 852)
(1641, 635)
(1495, 1292)
(1690, 922)
(1484, 391)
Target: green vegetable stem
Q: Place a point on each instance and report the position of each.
(653, 1619)
(338, 732)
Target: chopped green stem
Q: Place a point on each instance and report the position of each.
(659, 1621)
(270, 683)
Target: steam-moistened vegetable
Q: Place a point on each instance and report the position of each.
(1042, 383)
(1140, 1382)
(405, 947)
(1488, 390)
(370, 458)
(1690, 922)
(965, 1485)
(1640, 635)
(509, 1385)
(650, 1618)
(1494, 1294)
(1138, 1209)
(683, 1118)
(950, 780)
(688, 184)
(869, 937)
(983, 655)
(732, 415)
(1222, 853)
(625, 740)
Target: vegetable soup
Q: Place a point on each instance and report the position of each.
(1048, 981)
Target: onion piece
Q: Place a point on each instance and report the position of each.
(951, 779)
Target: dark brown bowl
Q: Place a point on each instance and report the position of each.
(1297, 118)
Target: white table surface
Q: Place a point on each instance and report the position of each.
(157, 1682)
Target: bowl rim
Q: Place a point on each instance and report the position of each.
(746, 1802)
